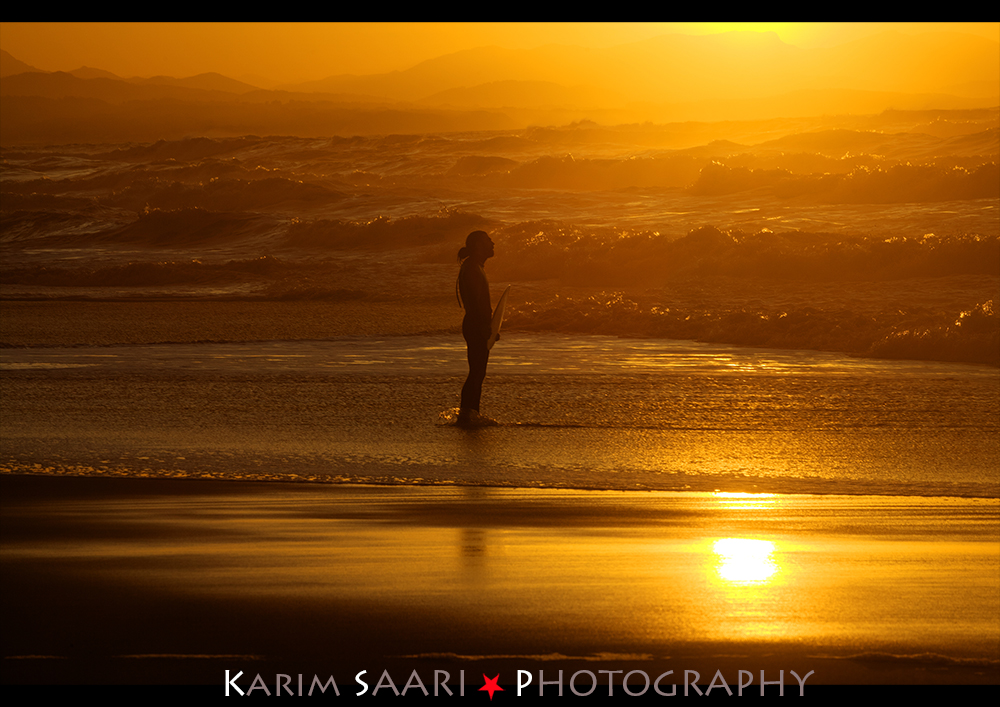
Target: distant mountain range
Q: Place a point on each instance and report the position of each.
(687, 68)
(34, 80)
(729, 76)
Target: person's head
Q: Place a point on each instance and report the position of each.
(478, 245)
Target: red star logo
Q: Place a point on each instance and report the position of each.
(491, 685)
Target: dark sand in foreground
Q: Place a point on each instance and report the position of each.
(127, 581)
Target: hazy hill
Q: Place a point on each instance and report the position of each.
(523, 94)
(87, 72)
(743, 76)
(210, 81)
(686, 68)
(10, 66)
(60, 84)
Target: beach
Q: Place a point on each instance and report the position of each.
(133, 581)
(175, 510)
(742, 419)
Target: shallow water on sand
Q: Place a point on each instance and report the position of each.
(574, 412)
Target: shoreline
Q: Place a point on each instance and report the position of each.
(332, 482)
(164, 581)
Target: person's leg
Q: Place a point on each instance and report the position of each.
(472, 391)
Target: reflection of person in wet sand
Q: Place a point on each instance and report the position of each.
(474, 295)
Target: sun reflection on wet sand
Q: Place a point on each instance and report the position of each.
(745, 561)
(560, 572)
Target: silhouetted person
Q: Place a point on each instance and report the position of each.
(474, 295)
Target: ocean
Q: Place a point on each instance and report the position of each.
(584, 412)
(284, 309)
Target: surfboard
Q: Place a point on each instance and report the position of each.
(497, 318)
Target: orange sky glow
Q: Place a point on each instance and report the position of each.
(271, 53)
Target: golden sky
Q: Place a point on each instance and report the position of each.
(268, 53)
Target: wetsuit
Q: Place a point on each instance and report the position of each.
(476, 328)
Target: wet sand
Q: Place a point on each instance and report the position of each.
(158, 581)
